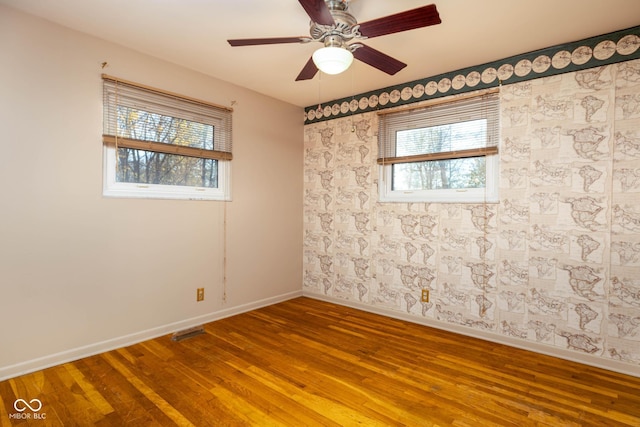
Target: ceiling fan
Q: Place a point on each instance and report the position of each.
(332, 25)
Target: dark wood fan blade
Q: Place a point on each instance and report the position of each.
(308, 72)
(318, 11)
(379, 60)
(403, 21)
(275, 40)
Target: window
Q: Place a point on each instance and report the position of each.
(446, 152)
(162, 145)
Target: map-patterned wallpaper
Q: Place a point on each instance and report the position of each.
(556, 262)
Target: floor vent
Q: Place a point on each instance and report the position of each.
(187, 333)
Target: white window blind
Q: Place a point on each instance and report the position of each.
(143, 118)
(461, 128)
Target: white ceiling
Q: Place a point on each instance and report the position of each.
(193, 33)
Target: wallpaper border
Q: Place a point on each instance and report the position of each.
(611, 48)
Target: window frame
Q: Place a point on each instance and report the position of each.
(113, 188)
(488, 194)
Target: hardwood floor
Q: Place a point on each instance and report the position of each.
(306, 362)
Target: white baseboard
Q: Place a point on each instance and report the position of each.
(44, 362)
(598, 362)
(37, 364)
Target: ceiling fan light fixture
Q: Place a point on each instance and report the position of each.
(332, 59)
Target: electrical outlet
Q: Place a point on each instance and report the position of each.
(425, 295)
(200, 294)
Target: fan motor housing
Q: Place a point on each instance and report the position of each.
(343, 28)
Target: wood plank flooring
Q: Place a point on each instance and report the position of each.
(306, 362)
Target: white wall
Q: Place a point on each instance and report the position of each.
(80, 273)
